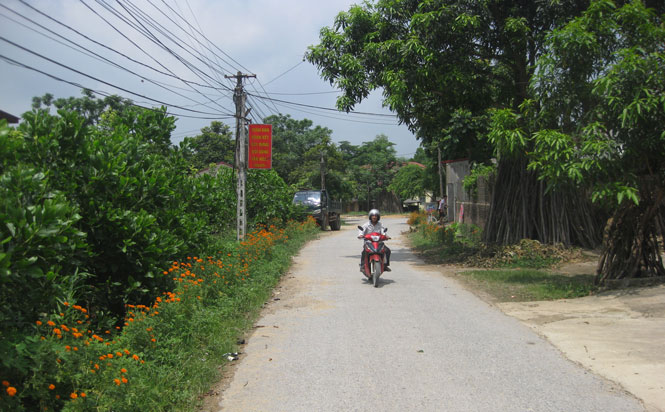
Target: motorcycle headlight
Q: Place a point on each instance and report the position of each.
(375, 238)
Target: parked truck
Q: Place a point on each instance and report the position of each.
(318, 204)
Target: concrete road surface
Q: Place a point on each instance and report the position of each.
(329, 341)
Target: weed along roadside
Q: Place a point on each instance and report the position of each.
(166, 355)
(616, 334)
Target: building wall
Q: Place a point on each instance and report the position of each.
(455, 173)
(464, 207)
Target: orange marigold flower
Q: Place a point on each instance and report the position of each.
(153, 340)
(50, 323)
(51, 387)
(124, 380)
(39, 323)
(123, 370)
(65, 303)
(11, 391)
(136, 357)
(127, 352)
(5, 383)
(110, 356)
(82, 395)
(117, 381)
(73, 395)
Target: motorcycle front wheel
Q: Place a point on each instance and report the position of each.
(376, 272)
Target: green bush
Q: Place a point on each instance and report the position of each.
(92, 212)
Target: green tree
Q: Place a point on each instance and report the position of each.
(291, 140)
(443, 65)
(408, 182)
(88, 105)
(601, 110)
(214, 144)
(373, 169)
(337, 181)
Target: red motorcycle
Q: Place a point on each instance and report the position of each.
(373, 264)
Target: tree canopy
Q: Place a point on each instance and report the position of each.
(214, 144)
(441, 64)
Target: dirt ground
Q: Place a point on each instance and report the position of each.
(619, 334)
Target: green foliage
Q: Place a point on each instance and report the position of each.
(441, 64)
(41, 246)
(373, 168)
(602, 107)
(470, 182)
(269, 198)
(177, 341)
(408, 182)
(214, 144)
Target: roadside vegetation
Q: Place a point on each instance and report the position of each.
(522, 272)
(121, 281)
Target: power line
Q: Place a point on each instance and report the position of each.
(151, 37)
(189, 82)
(325, 108)
(306, 94)
(101, 93)
(283, 73)
(134, 43)
(91, 53)
(97, 79)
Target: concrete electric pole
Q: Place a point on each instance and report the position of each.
(239, 97)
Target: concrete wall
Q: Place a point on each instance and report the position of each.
(465, 207)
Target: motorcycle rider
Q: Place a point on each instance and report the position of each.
(373, 226)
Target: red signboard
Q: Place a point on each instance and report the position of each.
(260, 146)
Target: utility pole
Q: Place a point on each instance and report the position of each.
(323, 171)
(241, 152)
(440, 173)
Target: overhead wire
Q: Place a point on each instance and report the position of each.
(95, 78)
(102, 93)
(143, 24)
(208, 40)
(88, 52)
(325, 108)
(135, 44)
(275, 78)
(148, 34)
(111, 49)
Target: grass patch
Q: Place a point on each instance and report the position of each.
(522, 285)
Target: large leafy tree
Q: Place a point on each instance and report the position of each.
(373, 169)
(409, 181)
(214, 144)
(154, 126)
(291, 139)
(601, 110)
(443, 64)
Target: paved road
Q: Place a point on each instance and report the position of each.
(418, 342)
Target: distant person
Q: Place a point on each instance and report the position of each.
(443, 206)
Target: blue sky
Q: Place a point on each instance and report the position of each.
(264, 37)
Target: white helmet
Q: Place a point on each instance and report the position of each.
(374, 212)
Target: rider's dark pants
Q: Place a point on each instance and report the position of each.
(387, 249)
